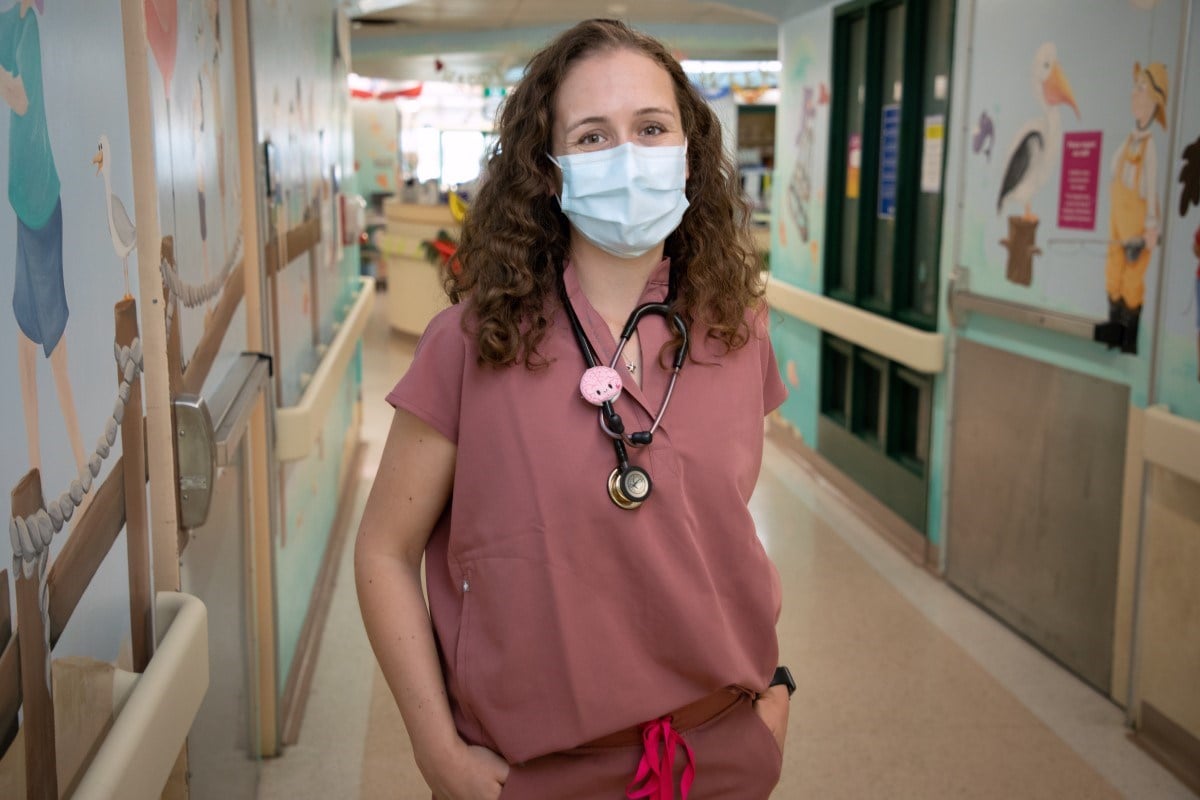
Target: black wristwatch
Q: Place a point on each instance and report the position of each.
(783, 676)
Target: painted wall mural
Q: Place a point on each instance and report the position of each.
(798, 203)
(66, 254)
(1068, 217)
(192, 94)
(301, 58)
(1179, 331)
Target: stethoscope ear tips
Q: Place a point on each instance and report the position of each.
(629, 489)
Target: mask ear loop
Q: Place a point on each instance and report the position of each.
(563, 174)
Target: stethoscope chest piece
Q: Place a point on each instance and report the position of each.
(629, 489)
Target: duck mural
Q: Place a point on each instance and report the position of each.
(1032, 159)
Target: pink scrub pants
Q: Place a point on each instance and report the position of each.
(735, 757)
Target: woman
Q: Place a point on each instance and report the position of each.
(596, 632)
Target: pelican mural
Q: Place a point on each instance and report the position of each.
(1036, 147)
(120, 226)
(1032, 158)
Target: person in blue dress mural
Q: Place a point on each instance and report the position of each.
(39, 296)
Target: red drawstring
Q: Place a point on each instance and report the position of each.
(656, 770)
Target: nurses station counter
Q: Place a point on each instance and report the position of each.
(414, 292)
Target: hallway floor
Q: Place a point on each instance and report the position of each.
(906, 689)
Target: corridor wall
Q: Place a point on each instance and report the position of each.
(61, 271)
(1103, 235)
(301, 58)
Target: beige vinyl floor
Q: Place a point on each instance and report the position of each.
(906, 689)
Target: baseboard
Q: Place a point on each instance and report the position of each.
(1168, 743)
(299, 681)
(878, 517)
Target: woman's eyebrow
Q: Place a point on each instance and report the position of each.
(641, 112)
(586, 121)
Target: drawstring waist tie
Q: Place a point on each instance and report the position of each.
(656, 770)
(661, 738)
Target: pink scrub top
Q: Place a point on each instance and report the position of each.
(561, 618)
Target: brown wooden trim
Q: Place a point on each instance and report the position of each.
(137, 526)
(299, 681)
(92, 536)
(214, 332)
(1170, 744)
(300, 239)
(37, 703)
(6, 627)
(174, 343)
(887, 523)
(8, 731)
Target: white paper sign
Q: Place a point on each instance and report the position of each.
(931, 154)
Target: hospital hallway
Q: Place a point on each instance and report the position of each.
(905, 688)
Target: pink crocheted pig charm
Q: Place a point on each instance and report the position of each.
(599, 385)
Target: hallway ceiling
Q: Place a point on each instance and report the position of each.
(405, 40)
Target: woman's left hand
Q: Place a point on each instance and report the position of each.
(772, 707)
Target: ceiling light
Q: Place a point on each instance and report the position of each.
(702, 67)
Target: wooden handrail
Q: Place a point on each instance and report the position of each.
(214, 332)
(41, 778)
(137, 527)
(299, 240)
(8, 730)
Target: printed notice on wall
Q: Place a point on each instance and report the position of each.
(889, 160)
(853, 165)
(1080, 179)
(931, 154)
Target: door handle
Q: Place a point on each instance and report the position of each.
(196, 459)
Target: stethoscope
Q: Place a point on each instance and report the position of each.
(628, 485)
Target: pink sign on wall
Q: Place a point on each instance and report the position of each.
(1080, 179)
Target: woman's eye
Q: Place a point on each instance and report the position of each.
(591, 139)
(653, 130)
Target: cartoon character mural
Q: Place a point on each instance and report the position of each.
(800, 186)
(983, 136)
(39, 296)
(1189, 195)
(1032, 158)
(1134, 210)
(208, 81)
(1196, 253)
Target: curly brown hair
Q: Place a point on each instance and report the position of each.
(516, 239)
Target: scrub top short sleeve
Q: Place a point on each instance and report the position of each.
(774, 392)
(431, 389)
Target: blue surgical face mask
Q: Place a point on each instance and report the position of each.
(626, 199)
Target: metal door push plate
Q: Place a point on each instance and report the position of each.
(196, 459)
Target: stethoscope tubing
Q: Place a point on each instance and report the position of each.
(607, 412)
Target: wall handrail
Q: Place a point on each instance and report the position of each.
(923, 351)
(234, 400)
(1172, 442)
(297, 427)
(960, 301)
(137, 754)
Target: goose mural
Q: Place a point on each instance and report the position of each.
(120, 226)
(1032, 159)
